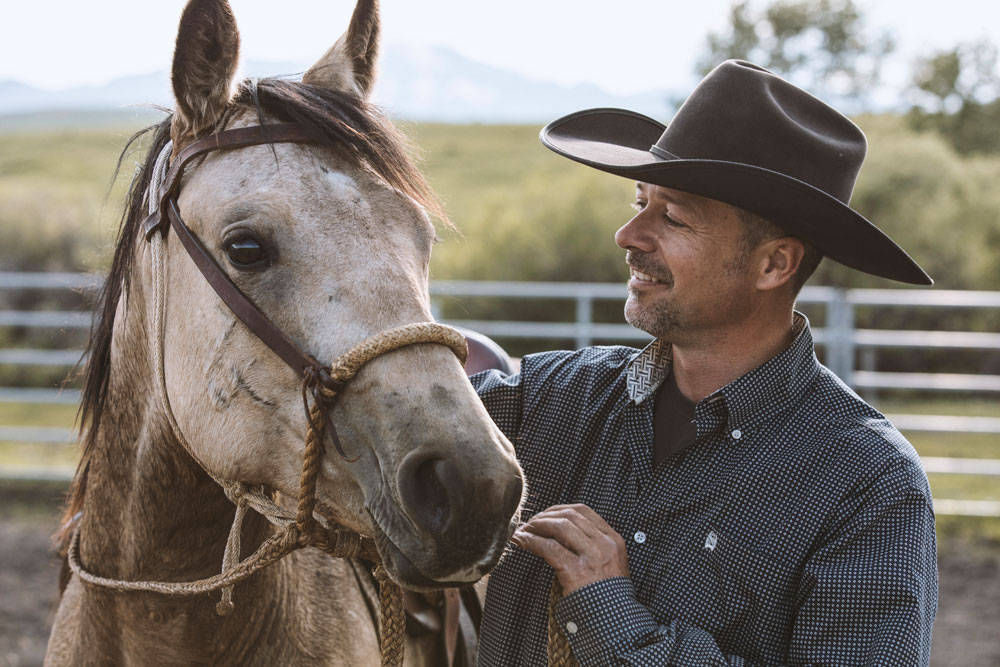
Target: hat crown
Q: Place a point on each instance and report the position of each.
(743, 113)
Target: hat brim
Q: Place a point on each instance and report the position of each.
(618, 141)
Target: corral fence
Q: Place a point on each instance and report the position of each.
(847, 349)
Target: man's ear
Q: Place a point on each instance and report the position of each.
(779, 260)
(205, 60)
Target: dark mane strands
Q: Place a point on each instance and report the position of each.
(336, 119)
(345, 122)
(98, 368)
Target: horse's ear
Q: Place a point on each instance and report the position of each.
(349, 65)
(205, 60)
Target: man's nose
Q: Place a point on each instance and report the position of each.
(635, 234)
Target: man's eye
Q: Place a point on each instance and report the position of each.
(638, 205)
(672, 222)
(246, 252)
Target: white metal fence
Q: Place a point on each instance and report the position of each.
(839, 338)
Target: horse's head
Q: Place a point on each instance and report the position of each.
(330, 239)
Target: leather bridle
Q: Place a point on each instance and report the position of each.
(316, 376)
(241, 306)
(312, 371)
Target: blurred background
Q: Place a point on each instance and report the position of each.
(533, 262)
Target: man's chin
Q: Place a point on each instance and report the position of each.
(656, 322)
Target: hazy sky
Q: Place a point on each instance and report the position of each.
(622, 45)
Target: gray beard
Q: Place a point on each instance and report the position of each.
(658, 320)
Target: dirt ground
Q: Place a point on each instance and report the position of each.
(966, 634)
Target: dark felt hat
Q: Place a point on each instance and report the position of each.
(749, 138)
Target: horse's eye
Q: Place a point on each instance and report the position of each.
(246, 252)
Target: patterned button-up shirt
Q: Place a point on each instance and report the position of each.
(797, 529)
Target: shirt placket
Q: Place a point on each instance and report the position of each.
(638, 530)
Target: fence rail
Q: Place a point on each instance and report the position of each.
(839, 338)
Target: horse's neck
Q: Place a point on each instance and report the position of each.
(145, 495)
(151, 513)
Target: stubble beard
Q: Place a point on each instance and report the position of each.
(659, 318)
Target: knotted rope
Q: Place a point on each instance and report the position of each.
(297, 529)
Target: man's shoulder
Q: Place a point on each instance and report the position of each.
(588, 364)
(854, 434)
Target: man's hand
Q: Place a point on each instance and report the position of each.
(579, 545)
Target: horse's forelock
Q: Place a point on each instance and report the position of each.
(345, 122)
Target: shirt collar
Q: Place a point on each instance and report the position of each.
(762, 389)
(648, 370)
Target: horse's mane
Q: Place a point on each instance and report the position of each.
(340, 120)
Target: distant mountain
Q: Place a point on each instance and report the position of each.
(435, 84)
(415, 83)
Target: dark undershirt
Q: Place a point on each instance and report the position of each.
(673, 421)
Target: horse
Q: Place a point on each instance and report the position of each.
(327, 232)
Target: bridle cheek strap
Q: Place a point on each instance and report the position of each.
(166, 215)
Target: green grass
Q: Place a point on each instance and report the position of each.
(965, 487)
(39, 454)
(978, 534)
(943, 406)
(58, 207)
(953, 445)
(956, 445)
(36, 414)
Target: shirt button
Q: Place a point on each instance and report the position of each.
(737, 434)
(571, 627)
(639, 537)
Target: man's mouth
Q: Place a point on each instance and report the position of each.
(644, 277)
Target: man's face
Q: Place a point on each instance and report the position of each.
(690, 272)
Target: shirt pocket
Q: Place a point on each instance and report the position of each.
(735, 591)
(758, 590)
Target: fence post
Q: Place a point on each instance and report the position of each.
(584, 315)
(840, 322)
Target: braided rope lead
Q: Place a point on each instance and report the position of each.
(559, 652)
(392, 619)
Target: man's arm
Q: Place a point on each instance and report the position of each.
(502, 396)
(868, 596)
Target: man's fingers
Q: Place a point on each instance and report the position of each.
(561, 529)
(588, 514)
(589, 521)
(546, 548)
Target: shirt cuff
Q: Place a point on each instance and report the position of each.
(603, 620)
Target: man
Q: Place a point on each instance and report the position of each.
(719, 498)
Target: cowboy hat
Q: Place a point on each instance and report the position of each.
(751, 139)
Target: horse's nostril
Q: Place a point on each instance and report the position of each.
(427, 492)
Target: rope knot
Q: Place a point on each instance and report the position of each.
(341, 543)
(236, 492)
